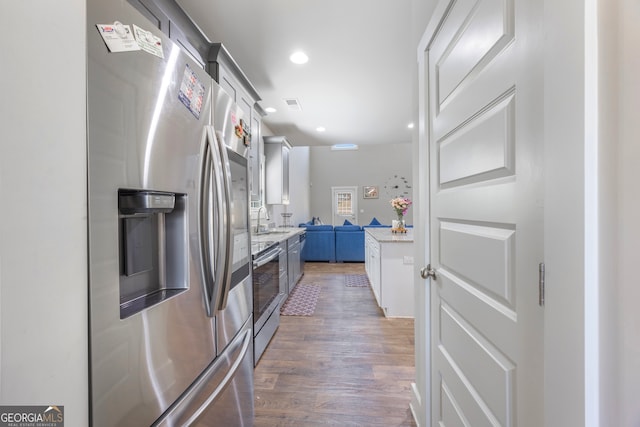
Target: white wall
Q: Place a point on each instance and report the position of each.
(592, 152)
(628, 243)
(369, 165)
(603, 343)
(299, 180)
(564, 203)
(43, 243)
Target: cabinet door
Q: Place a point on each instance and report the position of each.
(245, 104)
(254, 160)
(277, 159)
(367, 254)
(228, 84)
(285, 175)
(375, 272)
(293, 261)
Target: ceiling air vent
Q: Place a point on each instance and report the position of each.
(293, 104)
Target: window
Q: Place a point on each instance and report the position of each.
(344, 203)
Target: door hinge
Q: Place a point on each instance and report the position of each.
(541, 284)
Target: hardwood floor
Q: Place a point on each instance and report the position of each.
(347, 365)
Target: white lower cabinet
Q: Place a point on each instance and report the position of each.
(372, 265)
(389, 266)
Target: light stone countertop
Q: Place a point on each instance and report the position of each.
(384, 235)
(275, 235)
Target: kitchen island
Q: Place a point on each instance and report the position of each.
(389, 265)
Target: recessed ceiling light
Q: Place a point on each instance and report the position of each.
(410, 125)
(299, 58)
(270, 110)
(320, 129)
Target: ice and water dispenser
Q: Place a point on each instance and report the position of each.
(153, 248)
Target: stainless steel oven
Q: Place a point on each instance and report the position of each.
(267, 295)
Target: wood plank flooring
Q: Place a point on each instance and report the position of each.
(347, 365)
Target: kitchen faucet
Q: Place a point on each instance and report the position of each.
(266, 216)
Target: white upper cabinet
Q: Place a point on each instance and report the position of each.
(276, 150)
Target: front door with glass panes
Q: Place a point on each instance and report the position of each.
(344, 205)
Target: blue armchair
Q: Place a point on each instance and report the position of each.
(349, 243)
(320, 244)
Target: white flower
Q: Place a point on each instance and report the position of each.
(400, 205)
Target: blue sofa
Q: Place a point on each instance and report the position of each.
(349, 243)
(320, 244)
(342, 243)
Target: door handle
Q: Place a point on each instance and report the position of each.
(428, 272)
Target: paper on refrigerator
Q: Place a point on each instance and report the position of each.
(149, 42)
(118, 37)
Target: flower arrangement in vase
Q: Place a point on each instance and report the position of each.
(400, 205)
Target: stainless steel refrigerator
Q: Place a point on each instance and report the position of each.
(169, 246)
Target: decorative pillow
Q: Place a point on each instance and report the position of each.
(374, 221)
(347, 222)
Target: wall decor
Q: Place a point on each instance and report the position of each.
(370, 192)
(397, 186)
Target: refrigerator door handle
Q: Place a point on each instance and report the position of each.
(227, 240)
(212, 258)
(205, 220)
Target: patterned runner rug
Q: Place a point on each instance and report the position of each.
(302, 300)
(356, 280)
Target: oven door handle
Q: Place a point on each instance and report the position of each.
(268, 257)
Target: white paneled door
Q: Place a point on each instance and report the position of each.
(344, 205)
(483, 123)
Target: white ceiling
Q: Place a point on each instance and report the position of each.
(357, 83)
